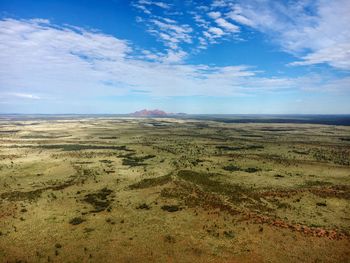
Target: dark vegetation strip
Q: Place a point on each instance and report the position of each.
(151, 182)
(74, 147)
(132, 161)
(13, 131)
(201, 189)
(206, 181)
(44, 136)
(35, 194)
(203, 180)
(233, 168)
(252, 135)
(238, 148)
(99, 200)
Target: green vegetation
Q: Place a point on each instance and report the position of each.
(233, 168)
(207, 182)
(143, 206)
(79, 147)
(173, 190)
(238, 148)
(99, 200)
(151, 182)
(74, 147)
(170, 208)
(76, 221)
(132, 161)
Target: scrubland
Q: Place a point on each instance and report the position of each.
(172, 190)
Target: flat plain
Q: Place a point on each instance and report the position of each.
(173, 190)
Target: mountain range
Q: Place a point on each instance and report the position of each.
(153, 113)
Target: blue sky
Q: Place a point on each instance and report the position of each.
(114, 56)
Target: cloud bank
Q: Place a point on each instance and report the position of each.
(315, 32)
(43, 61)
(47, 60)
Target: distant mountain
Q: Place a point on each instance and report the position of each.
(154, 113)
(149, 113)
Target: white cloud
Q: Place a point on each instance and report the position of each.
(40, 21)
(168, 20)
(165, 26)
(337, 56)
(219, 3)
(142, 8)
(181, 31)
(169, 32)
(224, 27)
(218, 32)
(75, 64)
(315, 31)
(155, 3)
(236, 15)
(200, 21)
(202, 43)
(26, 96)
(227, 25)
(174, 56)
(162, 5)
(19, 95)
(214, 15)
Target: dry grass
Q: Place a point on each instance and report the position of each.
(169, 190)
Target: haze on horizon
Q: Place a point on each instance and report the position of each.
(231, 57)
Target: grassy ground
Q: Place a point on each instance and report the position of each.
(170, 190)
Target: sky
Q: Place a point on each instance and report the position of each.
(199, 57)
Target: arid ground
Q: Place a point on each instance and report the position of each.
(173, 190)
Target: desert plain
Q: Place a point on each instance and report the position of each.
(106, 189)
